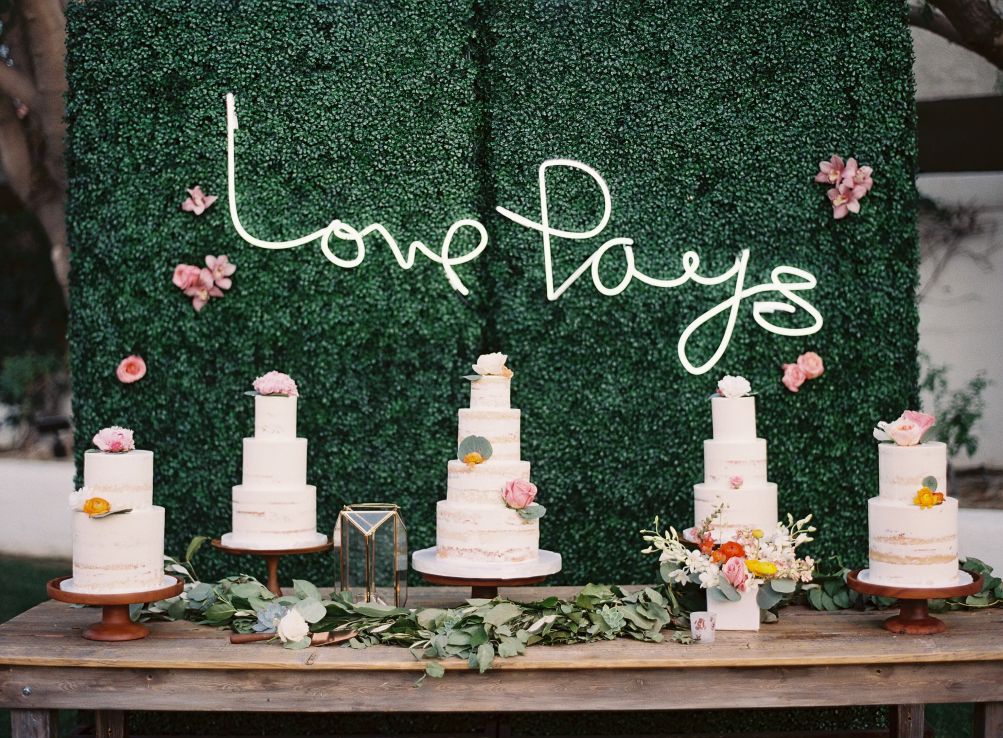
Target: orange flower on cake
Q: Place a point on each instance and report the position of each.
(927, 498)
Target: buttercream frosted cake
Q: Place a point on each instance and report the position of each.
(912, 523)
(489, 522)
(274, 508)
(118, 533)
(735, 465)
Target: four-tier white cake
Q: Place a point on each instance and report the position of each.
(735, 466)
(273, 508)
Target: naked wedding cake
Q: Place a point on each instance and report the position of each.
(912, 523)
(273, 507)
(489, 521)
(118, 533)
(735, 466)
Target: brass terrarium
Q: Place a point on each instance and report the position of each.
(372, 547)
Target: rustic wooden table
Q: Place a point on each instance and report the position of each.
(807, 659)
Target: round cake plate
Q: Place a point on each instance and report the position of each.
(115, 625)
(484, 579)
(272, 556)
(914, 614)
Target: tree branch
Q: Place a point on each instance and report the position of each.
(979, 26)
(15, 84)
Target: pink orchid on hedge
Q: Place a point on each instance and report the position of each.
(203, 290)
(197, 201)
(830, 172)
(221, 270)
(845, 198)
(858, 175)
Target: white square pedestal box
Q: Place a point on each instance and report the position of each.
(743, 614)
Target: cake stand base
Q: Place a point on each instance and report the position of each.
(272, 557)
(115, 624)
(914, 614)
(484, 579)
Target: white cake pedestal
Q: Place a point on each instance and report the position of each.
(484, 579)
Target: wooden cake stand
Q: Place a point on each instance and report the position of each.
(115, 625)
(914, 615)
(272, 558)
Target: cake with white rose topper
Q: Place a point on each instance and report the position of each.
(273, 508)
(735, 492)
(488, 527)
(118, 533)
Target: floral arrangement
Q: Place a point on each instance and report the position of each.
(474, 450)
(204, 283)
(114, 440)
(848, 182)
(197, 201)
(130, 369)
(927, 496)
(274, 383)
(94, 507)
(490, 365)
(908, 430)
(752, 561)
(730, 387)
(519, 495)
(808, 366)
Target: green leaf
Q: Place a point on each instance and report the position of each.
(435, 670)
(305, 590)
(296, 645)
(247, 590)
(311, 610)
(930, 482)
(730, 593)
(532, 512)
(767, 597)
(472, 377)
(598, 591)
(474, 444)
(427, 618)
(502, 613)
(200, 592)
(194, 546)
(219, 613)
(485, 657)
(176, 610)
(783, 586)
(509, 647)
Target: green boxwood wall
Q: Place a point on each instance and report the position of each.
(706, 119)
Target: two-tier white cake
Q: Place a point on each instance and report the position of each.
(735, 466)
(274, 508)
(118, 533)
(912, 523)
(486, 525)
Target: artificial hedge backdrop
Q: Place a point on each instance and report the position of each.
(706, 119)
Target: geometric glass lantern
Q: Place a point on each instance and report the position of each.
(372, 542)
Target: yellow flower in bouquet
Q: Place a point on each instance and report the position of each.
(97, 506)
(761, 568)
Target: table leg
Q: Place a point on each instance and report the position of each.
(110, 724)
(988, 719)
(34, 723)
(906, 721)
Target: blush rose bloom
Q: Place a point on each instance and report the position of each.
(811, 364)
(276, 383)
(292, 627)
(492, 365)
(734, 387)
(114, 440)
(908, 430)
(186, 276)
(735, 571)
(519, 494)
(794, 377)
(130, 369)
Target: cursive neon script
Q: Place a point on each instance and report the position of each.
(786, 281)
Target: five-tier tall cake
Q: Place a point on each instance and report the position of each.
(274, 508)
(488, 525)
(735, 466)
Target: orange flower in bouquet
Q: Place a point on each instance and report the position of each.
(732, 549)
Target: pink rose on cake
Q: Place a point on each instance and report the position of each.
(908, 430)
(519, 494)
(114, 440)
(492, 365)
(730, 386)
(794, 377)
(276, 383)
(811, 364)
(736, 572)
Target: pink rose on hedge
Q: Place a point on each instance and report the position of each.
(794, 377)
(276, 383)
(519, 494)
(811, 364)
(114, 440)
(131, 369)
(186, 276)
(221, 270)
(735, 571)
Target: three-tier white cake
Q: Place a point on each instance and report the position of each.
(735, 466)
(118, 533)
(274, 508)
(912, 523)
(485, 526)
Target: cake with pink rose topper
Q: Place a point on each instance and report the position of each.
(489, 524)
(735, 492)
(118, 533)
(912, 523)
(273, 508)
